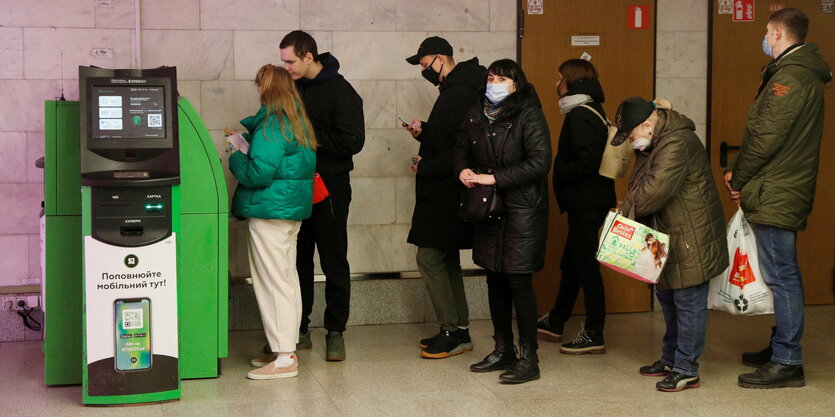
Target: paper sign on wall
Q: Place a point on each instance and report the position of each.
(585, 56)
(585, 40)
(743, 11)
(776, 6)
(638, 17)
(725, 7)
(535, 7)
(827, 6)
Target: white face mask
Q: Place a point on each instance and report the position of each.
(640, 144)
(496, 93)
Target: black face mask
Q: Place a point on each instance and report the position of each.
(430, 75)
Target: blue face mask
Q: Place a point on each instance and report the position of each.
(766, 48)
(496, 93)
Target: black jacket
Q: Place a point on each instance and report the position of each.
(577, 185)
(335, 111)
(435, 222)
(517, 146)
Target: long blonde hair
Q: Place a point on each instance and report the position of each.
(279, 94)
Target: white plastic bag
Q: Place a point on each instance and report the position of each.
(741, 289)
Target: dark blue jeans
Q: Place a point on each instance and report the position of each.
(685, 314)
(777, 254)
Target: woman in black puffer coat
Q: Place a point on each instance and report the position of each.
(507, 135)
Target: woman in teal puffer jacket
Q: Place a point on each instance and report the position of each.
(275, 193)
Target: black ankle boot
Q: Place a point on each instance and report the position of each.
(526, 367)
(757, 359)
(502, 357)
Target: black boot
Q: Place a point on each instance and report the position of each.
(757, 359)
(526, 367)
(502, 357)
(774, 375)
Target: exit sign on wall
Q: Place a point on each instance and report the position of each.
(638, 17)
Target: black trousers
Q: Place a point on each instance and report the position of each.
(504, 291)
(580, 269)
(327, 231)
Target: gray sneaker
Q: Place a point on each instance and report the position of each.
(305, 342)
(335, 347)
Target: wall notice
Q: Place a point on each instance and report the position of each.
(535, 7)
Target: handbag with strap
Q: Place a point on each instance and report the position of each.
(482, 203)
(615, 161)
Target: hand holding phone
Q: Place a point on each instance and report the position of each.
(405, 123)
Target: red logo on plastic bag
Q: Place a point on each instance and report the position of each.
(741, 272)
(623, 229)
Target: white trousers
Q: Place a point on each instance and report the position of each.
(272, 262)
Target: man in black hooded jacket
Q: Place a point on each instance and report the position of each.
(436, 228)
(335, 111)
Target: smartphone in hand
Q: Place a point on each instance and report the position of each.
(402, 120)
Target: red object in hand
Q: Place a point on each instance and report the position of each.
(320, 192)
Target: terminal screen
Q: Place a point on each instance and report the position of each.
(128, 112)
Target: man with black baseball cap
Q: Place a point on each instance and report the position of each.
(673, 191)
(436, 229)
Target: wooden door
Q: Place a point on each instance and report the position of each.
(625, 60)
(736, 61)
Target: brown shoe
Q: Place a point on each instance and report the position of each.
(270, 371)
(263, 361)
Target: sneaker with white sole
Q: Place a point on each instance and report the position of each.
(675, 382)
(263, 361)
(271, 371)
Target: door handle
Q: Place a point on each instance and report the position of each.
(723, 153)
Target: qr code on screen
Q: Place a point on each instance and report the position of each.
(132, 319)
(154, 120)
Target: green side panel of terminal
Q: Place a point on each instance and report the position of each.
(63, 278)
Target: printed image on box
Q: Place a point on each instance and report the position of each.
(633, 249)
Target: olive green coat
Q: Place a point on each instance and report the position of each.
(674, 193)
(776, 169)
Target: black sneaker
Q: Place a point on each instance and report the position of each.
(428, 341)
(774, 375)
(657, 369)
(588, 341)
(547, 331)
(675, 382)
(448, 343)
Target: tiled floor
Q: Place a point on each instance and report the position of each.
(384, 376)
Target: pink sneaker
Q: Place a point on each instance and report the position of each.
(270, 371)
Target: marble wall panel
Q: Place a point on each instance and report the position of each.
(15, 260)
(387, 301)
(13, 154)
(225, 103)
(249, 14)
(467, 260)
(380, 248)
(43, 49)
(116, 14)
(21, 107)
(191, 91)
(440, 15)
(379, 103)
(487, 46)
(682, 15)
(503, 15)
(11, 327)
(254, 48)
(22, 206)
(47, 13)
(681, 55)
(386, 153)
(372, 201)
(34, 150)
(404, 196)
(688, 96)
(11, 52)
(387, 62)
(415, 99)
(35, 256)
(198, 55)
(167, 14)
(340, 15)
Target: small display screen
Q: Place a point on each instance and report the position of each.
(128, 112)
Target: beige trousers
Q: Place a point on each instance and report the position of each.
(272, 261)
